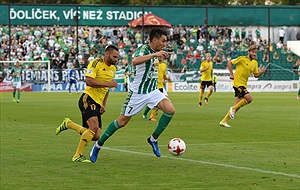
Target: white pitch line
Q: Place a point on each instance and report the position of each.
(209, 163)
(221, 143)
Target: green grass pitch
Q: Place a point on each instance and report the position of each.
(260, 151)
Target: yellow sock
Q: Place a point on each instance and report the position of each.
(226, 118)
(86, 137)
(240, 104)
(153, 113)
(78, 128)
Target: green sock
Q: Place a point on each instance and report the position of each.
(14, 94)
(147, 109)
(19, 95)
(162, 124)
(299, 92)
(112, 127)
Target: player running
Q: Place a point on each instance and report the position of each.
(245, 65)
(143, 92)
(206, 69)
(100, 75)
(16, 74)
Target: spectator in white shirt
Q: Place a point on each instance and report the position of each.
(61, 53)
(200, 47)
(57, 46)
(91, 58)
(279, 45)
(51, 42)
(43, 54)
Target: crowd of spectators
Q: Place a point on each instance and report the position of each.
(187, 45)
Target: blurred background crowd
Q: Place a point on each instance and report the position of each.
(186, 44)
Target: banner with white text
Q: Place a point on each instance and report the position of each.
(88, 15)
(253, 86)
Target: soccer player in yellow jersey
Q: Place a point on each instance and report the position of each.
(100, 75)
(245, 65)
(161, 82)
(206, 69)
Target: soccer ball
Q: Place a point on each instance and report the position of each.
(176, 146)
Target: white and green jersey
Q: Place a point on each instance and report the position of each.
(18, 71)
(145, 77)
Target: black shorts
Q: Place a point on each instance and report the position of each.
(204, 84)
(89, 108)
(240, 91)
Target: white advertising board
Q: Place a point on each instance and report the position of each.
(253, 86)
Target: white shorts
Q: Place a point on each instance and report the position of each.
(16, 85)
(134, 103)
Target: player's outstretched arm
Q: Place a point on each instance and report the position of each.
(230, 69)
(142, 59)
(96, 84)
(262, 71)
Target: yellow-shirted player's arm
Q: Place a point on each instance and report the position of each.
(105, 98)
(167, 78)
(229, 65)
(103, 105)
(259, 73)
(92, 82)
(96, 84)
(202, 68)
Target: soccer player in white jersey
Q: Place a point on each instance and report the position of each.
(16, 74)
(143, 92)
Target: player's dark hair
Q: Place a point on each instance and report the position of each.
(157, 33)
(110, 48)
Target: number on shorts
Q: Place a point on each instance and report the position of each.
(130, 109)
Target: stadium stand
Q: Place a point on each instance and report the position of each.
(59, 45)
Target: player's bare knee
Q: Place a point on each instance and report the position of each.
(248, 99)
(170, 110)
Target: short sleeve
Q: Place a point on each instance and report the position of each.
(91, 70)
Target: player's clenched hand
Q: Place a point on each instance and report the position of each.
(162, 54)
(113, 84)
(231, 77)
(262, 69)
